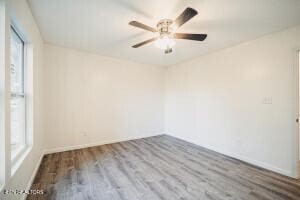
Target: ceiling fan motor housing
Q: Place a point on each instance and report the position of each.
(164, 27)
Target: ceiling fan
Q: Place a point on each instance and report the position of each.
(166, 31)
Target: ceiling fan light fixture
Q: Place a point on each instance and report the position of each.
(165, 31)
(164, 42)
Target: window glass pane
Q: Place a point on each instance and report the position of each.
(17, 115)
(17, 103)
(16, 63)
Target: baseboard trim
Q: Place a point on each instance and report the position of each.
(29, 184)
(81, 146)
(243, 158)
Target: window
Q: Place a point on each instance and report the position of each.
(18, 98)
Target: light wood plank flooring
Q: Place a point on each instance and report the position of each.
(156, 168)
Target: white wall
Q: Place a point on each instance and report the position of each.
(220, 101)
(93, 99)
(21, 14)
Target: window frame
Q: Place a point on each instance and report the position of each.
(19, 152)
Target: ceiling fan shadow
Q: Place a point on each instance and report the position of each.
(130, 6)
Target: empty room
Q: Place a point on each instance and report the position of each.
(149, 100)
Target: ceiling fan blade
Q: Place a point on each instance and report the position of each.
(144, 42)
(190, 36)
(187, 14)
(142, 26)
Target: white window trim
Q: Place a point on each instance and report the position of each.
(23, 151)
(16, 163)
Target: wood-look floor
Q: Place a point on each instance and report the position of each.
(156, 168)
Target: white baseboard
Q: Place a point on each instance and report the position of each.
(243, 158)
(29, 184)
(81, 146)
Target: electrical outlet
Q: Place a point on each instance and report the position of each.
(267, 100)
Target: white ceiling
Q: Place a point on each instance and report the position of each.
(101, 26)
